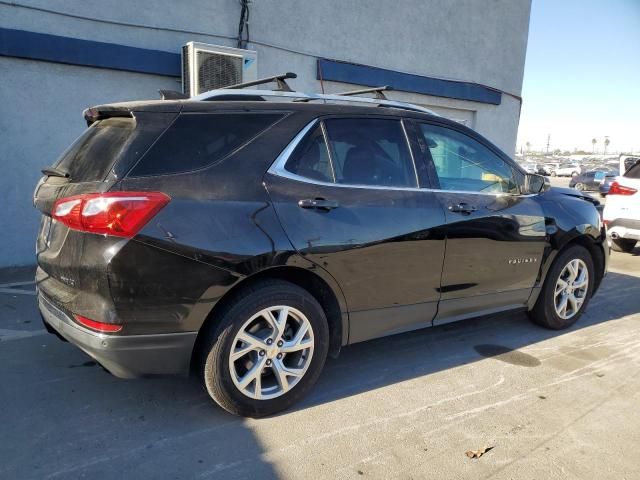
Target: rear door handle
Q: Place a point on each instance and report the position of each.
(463, 208)
(318, 203)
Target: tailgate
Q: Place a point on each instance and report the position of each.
(72, 264)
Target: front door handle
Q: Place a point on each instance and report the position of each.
(318, 203)
(463, 208)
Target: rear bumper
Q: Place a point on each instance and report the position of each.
(125, 356)
(624, 228)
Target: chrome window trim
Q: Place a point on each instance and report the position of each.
(279, 163)
(277, 169)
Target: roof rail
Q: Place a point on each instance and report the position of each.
(377, 90)
(251, 95)
(279, 79)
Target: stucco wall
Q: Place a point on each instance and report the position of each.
(41, 102)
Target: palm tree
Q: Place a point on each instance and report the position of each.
(606, 144)
(593, 145)
(528, 144)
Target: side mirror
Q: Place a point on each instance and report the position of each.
(534, 183)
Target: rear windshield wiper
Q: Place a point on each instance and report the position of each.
(55, 172)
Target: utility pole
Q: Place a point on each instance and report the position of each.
(548, 142)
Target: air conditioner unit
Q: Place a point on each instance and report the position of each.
(207, 67)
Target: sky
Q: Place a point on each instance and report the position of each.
(582, 75)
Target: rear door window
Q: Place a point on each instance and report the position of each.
(197, 140)
(310, 159)
(92, 155)
(368, 151)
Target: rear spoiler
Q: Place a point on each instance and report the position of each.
(94, 114)
(128, 109)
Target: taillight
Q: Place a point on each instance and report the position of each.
(121, 214)
(97, 326)
(617, 189)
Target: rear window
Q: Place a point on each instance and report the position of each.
(198, 140)
(629, 162)
(634, 171)
(92, 155)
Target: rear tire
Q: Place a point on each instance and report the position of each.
(579, 187)
(625, 245)
(276, 379)
(548, 311)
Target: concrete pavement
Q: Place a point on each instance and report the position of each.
(552, 404)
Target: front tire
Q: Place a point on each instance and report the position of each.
(566, 290)
(267, 351)
(579, 187)
(625, 245)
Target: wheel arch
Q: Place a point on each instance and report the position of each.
(595, 249)
(328, 296)
(597, 254)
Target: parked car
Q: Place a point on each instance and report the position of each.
(248, 240)
(622, 211)
(567, 170)
(609, 178)
(589, 180)
(551, 168)
(543, 169)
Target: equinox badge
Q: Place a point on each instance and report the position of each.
(517, 261)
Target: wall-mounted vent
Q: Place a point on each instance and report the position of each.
(207, 67)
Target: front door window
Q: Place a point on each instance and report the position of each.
(464, 164)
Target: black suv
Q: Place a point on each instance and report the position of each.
(247, 239)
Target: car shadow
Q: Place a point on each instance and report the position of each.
(387, 361)
(82, 422)
(63, 416)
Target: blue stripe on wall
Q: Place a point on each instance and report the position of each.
(74, 51)
(337, 71)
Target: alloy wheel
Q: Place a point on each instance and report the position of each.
(271, 352)
(571, 288)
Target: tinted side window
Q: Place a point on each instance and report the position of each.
(630, 161)
(462, 163)
(634, 171)
(370, 152)
(311, 158)
(197, 140)
(91, 156)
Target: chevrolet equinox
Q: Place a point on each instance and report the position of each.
(247, 240)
